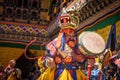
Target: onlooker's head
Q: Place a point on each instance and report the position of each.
(12, 63)
(96, 65)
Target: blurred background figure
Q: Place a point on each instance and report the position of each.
(2, 73)
(95, 72)
(10, 67)
(12, 73)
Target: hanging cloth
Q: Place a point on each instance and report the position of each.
(65, 75)
(45, 75)
(80, 75)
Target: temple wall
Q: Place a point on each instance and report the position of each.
(102, 21)
(14, 51)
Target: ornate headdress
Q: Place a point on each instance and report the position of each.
(68, 20)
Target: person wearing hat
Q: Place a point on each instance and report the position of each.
(95, 72)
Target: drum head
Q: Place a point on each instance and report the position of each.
(91, 42)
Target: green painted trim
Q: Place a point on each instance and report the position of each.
(15, 45)
(109, 21)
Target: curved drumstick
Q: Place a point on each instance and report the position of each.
(27, 48)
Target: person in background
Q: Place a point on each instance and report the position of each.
(10, 67)
(12, 73)
(95, 72)
(111, 70)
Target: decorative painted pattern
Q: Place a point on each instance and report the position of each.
(22, 30)
(100, 16)
(22, 33)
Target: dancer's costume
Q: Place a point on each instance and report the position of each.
(63, 54)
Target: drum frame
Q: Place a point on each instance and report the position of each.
(81, 43)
